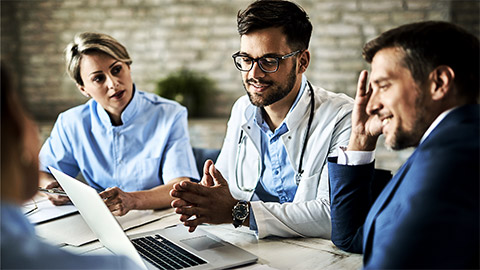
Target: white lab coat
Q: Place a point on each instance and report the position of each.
(309, 213)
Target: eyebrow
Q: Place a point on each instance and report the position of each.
(381, 79)
(265, 55)
(99, 71)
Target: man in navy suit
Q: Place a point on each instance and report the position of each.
(423, 92)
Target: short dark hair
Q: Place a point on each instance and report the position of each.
(291, 17)
(430, 44)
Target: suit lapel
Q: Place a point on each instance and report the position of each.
(380, 203)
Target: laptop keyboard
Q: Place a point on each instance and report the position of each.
(165, 254)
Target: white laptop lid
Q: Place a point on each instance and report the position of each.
(217, 253)
(98, 217)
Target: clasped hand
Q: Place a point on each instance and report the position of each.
(207, 202)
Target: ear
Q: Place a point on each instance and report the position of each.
(441, 78)
(82, 90)
(304, 61)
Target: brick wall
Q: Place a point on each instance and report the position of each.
(165, 35)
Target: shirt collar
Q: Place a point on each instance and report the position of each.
(127, 114)
(259, 116)
(436, 123)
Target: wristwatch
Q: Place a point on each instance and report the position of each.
(240, 213)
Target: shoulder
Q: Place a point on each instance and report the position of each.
(332, 98)
(153, 101)
(241, 106)
(242, 103)
(331, 103)
(77, 115)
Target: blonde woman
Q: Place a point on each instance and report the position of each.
(131, 146)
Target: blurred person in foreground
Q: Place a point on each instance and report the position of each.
(278, 138)
(131, 146)
(20, 247)
(422, 92)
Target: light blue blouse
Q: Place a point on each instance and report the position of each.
(150, 148)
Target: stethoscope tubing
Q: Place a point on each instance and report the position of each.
(298, 175)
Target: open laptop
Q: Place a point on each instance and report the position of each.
(168, 248)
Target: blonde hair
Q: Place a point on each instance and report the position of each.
(88, 42)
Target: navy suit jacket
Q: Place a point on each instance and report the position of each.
(427, 216)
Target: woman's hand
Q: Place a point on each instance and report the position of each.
(57, 199)
(118, 201)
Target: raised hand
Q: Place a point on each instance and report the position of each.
(207, 203)
(365, 128)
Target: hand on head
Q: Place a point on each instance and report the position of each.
(118, 201)
(365, 127)
(209, 202)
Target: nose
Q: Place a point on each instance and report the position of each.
(256, 71)
(374, 105)
(111, 82)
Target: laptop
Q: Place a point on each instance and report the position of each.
(169, 248)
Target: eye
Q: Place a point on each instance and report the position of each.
(98, 78)
(116, 69)
(246, 60)
(383, 86)
(268, 61)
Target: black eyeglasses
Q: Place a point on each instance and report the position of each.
(268, 64)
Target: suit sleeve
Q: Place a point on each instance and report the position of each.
(352, 192)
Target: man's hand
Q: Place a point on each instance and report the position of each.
(118, 201)
(365, 128)
(210, 202)
(56, 199)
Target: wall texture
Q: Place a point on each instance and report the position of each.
(165, 35)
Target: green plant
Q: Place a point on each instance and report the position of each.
(191, 89)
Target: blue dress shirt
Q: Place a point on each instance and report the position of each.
(277, 181)
(150, 148)
(22, 249)
(278, 176)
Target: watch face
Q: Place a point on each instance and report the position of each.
(241, 211)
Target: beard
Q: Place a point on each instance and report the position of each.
(276, 91)
(402, 138)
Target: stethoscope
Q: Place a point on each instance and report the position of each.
(242, 142)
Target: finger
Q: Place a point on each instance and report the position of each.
(362, 84)
(217, 176)
(195, 222)
(188, 211)
(58, 200)
(191, 187)
(180, 203)
(192, 229)
(190, 197)
(207, 178)
(53, 184)
(178, 186)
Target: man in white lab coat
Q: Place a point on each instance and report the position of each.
(271, 174)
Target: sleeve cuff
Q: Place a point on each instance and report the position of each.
(354, 158)
(253, 222)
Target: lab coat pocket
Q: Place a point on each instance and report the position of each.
(307, 189)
